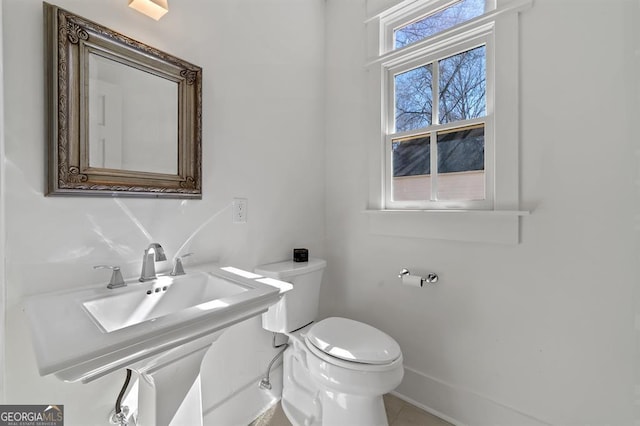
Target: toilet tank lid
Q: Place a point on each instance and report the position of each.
(353, 341)
(289, 268)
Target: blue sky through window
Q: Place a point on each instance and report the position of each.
(413, 92)
(457, 13)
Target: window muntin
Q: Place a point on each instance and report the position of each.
(450, 173)
(438, 21)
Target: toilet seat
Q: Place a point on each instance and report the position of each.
(352, 344)
(350, 365)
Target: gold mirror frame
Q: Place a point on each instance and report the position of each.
(68, 40)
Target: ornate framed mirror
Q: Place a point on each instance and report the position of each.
(123, 119)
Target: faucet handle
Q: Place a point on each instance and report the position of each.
(178, 269)
(116, 277)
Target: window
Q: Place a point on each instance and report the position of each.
(438, 142)
(442, 119)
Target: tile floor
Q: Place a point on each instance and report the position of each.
(399, 413)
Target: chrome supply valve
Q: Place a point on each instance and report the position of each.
(178, 269)
(116, 276)
(121, 418)
(154, 253)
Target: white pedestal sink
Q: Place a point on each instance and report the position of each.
(161, 329)
(169, 386)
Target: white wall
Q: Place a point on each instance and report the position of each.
(263, 136)
(536, 333)
(541, 332)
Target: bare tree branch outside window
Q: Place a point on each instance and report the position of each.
(463, 86)
(455, 14)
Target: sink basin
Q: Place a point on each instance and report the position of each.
(85, 333)
(166, 295)
(160, 329)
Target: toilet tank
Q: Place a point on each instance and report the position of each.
(299, 306)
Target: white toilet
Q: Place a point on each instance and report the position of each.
(335, 370)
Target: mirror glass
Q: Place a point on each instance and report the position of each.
(133, 116)
(124, 119)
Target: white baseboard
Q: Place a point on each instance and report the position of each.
(457, 405)
(245, 405)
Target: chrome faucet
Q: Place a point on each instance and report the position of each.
(154, 253)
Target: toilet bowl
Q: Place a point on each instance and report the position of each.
(335, 370)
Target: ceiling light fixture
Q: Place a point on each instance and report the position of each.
(152, 8)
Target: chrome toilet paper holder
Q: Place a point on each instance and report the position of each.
(431, 277)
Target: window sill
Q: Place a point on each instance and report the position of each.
(487, 226)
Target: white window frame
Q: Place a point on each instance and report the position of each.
(498, 221)
(427, 55)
